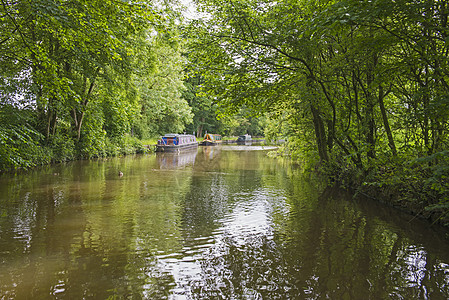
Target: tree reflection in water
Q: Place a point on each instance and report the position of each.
(342, 258)
(253, 270)
(229, 225)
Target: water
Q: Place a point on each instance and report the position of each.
(220, 223)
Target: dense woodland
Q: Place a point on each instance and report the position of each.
(359, 89)
(91, 78)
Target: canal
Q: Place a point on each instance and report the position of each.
(218, 223)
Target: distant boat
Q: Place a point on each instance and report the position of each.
(244, 139)
(211, 139)
(175, 142)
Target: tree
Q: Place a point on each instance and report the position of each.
(203, 109)
(163, 109)
(77, 64)
(367, 79)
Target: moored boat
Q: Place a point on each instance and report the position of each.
(244, 139)
(175, 142)
(211, 139)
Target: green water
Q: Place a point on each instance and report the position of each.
(220, 223)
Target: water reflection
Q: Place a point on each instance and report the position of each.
(175, 160)
(216, 223)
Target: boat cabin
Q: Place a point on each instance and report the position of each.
(244, 138)
(213, 137)
(177, 139)
(172, 141)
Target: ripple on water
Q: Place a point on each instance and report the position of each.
(243, 228)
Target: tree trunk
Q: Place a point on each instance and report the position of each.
(199, 132)
(80, 122)
(320, 134)
(49, 117)
(79, 117)
(385, 121)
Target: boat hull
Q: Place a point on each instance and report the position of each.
(244, 140)
(209, 143)
(211, 139)
(176, 148)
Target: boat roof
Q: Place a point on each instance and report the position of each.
(176, 135)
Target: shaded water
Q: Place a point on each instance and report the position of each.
(221, 223)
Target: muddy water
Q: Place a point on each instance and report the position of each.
(219, 223)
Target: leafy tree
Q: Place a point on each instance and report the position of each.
(160, 92)
(363, 83)
(19, 141)
(203, 109)
(89, 69)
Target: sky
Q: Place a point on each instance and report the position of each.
(190, 12)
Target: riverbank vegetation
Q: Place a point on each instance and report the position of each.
(360, 88)
(84, 79)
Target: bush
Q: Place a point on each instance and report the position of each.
(62, 148)
(19, 142)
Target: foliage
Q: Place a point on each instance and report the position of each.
(62, 147)
(203, 108)
(123, 146)
(208, 118)
(362, 86)
(93, 136)
(163, 109)
(19, 141)
(91, 74)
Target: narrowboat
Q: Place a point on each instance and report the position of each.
(211, 139)
(244, 139)
(175, 142)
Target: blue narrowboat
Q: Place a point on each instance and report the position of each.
(173, 142)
